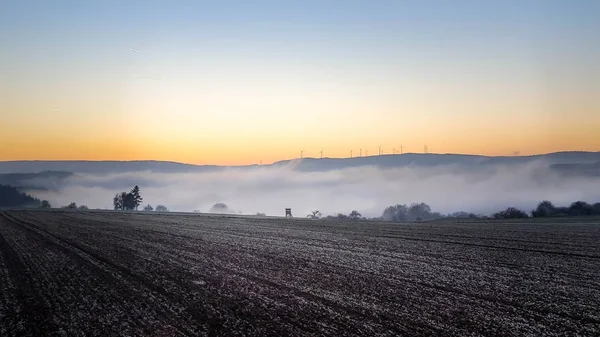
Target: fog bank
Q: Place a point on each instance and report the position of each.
(367, 189)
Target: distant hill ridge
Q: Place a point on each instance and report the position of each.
(306, 164)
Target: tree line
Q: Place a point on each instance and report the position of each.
(547, 209)
(11, 197)
(422, 212)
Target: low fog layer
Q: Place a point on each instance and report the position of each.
(367, 189)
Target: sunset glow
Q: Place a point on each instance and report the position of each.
(202, 83)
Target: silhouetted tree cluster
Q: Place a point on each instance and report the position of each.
(354, 215)
(72, 205)
(463, 215)
(511, 213)
(11, 197)
(414, 212)
(161, 208)
(148, 208)
(46, 204)
(578, 208)
(128, 201)
(220, 208)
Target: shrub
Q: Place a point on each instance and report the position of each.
(511, 213)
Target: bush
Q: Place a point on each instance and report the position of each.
(315, 215)
(511, 213)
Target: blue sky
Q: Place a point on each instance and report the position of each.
(460, 64)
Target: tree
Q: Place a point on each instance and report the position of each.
(543, 209)
(71, 206)
(161, 208)
(137, 199)
(397, 213)
(581, 208)
(220, 208)
(128, 201)
(45, 204)
(354, 215)
(11, 197)
(510, 213)
(596, 208)
(148, 208)
(83, 207)
(118, 201)
(315, 215)
(419, 211)
(260, 214)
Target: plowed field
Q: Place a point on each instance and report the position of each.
(102, 273)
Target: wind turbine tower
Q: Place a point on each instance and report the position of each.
(301, 154)
(321, 154)
(425, 149)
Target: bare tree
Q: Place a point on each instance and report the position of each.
(315, 215)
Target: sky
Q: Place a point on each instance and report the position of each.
(240, 82)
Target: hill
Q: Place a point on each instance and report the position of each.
(307, 164)
(11, 197)
(43, 180)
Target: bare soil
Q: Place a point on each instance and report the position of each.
(97, 273)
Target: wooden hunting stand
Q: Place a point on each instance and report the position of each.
(288, 212)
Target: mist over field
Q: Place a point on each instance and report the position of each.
(368, 189)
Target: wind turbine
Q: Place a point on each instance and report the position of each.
(321, 153)
(301, 154)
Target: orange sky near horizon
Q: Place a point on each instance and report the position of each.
(212, 84)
